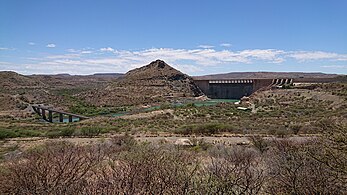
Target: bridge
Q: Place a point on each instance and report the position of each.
(237, 88)
(43, 111)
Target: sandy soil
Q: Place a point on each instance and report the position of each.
(148, 114)
(23, 144)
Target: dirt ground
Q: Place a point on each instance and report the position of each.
(22, 144)
(148, 114)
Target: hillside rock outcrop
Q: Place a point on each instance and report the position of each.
(155, 82)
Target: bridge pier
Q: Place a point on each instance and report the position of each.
(43, 111)
(61, 117)
(35, 109)
(39, 111)
(50, 116)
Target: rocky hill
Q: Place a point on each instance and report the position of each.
(155, 82)
(160, 74)
(18, 91)
(12, 80)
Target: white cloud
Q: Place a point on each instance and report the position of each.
(270, 55)
(51, 45)
(63, 56)
(79, 51)
(87, 61)
(186, 60)
(334, 66)
(317, 55)
(225, 45)
(6, 49)
(5, 63)
(107, 49)
(206, 46)
(31, 43)
(72, 50)
(86, 52)
(188, 68)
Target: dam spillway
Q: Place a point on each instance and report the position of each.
(229, 89)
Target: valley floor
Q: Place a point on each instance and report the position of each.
(288, 141)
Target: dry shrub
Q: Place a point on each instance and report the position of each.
(236, 170)
(259, 143)
(54, 168)
(334, 146)
(293, 170)
(145, 170)
(122, 166)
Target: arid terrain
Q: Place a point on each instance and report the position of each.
(154, 124)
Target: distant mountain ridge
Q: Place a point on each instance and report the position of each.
(153, 83)
(115, 75)
(264, 75)
(108, 75)
(231, 75)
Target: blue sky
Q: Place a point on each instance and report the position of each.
(197, 37)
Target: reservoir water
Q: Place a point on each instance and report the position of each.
(211, 102)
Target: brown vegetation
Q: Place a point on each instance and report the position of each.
(123, 166)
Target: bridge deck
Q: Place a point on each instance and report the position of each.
(61, 112)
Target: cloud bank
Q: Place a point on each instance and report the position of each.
(108, 59)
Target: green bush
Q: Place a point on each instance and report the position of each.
(282, 133)
(28, 133)
(5, 133)
(200, 144)
(53, 134)
(295, 128)
(67, 132)
(287, 86)
(90, 131)
(190, 105)
(12, 133)
(165, 106)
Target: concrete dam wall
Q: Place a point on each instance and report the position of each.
(229, 91)
(237, 88)
(231, 88)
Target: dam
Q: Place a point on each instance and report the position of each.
(237, 88)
